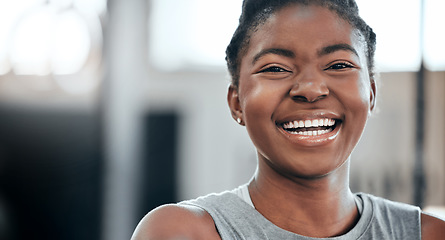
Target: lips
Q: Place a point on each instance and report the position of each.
(310, 127)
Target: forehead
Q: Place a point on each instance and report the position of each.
(301, 26)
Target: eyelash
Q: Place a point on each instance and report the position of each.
(273, 69)
(336, 66)
(340, 66)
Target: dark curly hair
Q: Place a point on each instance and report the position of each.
(256, 12)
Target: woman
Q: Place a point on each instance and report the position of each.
(303, 86)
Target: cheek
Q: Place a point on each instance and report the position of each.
(364, 87)
(357, 93)
(358, 105)
(256, 107)
(256, 102)
(355, 101)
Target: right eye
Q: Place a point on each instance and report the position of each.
(273, 69)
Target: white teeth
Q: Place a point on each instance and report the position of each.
(312, 133)
(300, 123)
(310, 123)
(315, 123)
(325, 122)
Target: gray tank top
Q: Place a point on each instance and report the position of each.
(236, 218)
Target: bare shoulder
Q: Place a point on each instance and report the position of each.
(176, 222)
(432, 227)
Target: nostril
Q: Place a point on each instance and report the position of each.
(321, 97)
(301, 98)
(309, 90)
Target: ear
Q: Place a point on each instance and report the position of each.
(372, 98)
(234, 104)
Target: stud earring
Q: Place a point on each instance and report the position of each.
(238, 120)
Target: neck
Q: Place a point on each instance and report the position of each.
(314, 207)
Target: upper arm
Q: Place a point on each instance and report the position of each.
(432, 227)
(176, 223)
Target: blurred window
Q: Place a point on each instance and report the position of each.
(58, 38)
(434, 41)
(188, 34)
(193, 34)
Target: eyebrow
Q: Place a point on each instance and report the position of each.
(276, 51)
(337, 47)
(290, 54)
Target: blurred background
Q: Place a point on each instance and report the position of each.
(111, 108)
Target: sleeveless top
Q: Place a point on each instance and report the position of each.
(236, 218)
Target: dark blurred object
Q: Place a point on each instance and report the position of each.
(50, 174)
(159, 160)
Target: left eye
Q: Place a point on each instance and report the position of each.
(340, 66)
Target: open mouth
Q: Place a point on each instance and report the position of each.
(313, 127)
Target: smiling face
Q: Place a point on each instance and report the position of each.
(304, 93)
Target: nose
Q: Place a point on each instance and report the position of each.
(310, 87)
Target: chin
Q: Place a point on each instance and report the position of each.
(319, 172)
